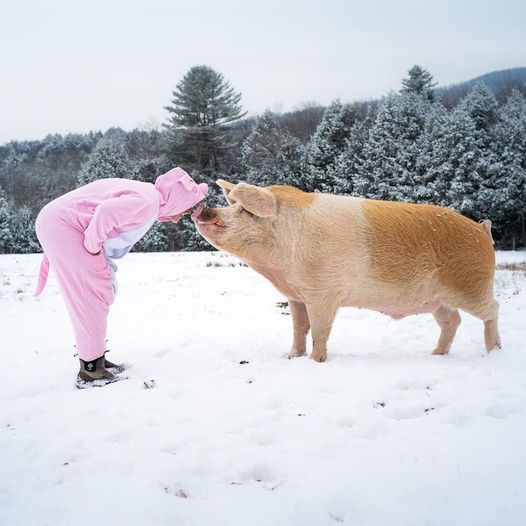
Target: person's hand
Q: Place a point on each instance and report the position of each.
(96, 254)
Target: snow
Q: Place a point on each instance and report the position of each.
(382, 433)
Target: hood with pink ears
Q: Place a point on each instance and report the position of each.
(179, 192)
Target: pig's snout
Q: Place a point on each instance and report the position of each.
(206, 216)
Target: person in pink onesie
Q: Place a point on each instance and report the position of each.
(84, 231)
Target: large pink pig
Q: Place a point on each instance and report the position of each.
(324, 252)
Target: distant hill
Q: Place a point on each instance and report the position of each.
(500, 82)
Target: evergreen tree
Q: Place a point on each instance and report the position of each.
(155, 240)
(203, 104)
(465, 159)
(419, 82)
(508, 202)
(144, 149)
(270, 155)
(350, 162)
(453, 155)
(434, 160)
(6, 224)
(188, 239)
(389, 170)
(24, 236)
(327, 143)
(478, 175)
(481, 105)
(108, 159)
(460, 162)
(511, 129)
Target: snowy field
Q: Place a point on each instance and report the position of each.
(230, 432)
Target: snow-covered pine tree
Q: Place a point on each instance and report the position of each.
(511, 128)
(203, 104)
(453, 154)
(481, 105)
(108, 159)
(6, 224)
(155, 240)
(476, 174)
(24, 236)
(349, 162)
(420, 82)
(327, 144)
(389, 170)
(432, 161)
(507, 205)
(189, 238)
(270, 155)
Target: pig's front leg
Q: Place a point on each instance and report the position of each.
(301, 325)
(321, 316)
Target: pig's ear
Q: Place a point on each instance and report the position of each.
(226, 187)
(258, 201)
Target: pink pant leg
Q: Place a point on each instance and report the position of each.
(84, 281)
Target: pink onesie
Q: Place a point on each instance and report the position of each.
(108, 215)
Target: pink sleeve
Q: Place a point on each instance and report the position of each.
(132, 210)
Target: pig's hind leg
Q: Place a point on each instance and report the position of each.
(448, 320)
(487, 310)
(491, 328)
(490, 317)
(301, 326)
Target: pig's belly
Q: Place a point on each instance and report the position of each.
(399, 311)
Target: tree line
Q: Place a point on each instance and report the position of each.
(414, 146)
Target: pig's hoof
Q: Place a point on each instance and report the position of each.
(440, 352)
(318, 357)
(296, 353)
(493, 343)
(497, 345)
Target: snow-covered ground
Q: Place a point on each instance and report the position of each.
(233, 433)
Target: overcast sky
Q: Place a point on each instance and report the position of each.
(74, 66)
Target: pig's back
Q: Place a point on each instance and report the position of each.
(422, 242)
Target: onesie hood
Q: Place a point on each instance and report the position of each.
(179, 192)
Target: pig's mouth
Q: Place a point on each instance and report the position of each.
(206, 222)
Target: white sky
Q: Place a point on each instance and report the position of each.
(74, 66)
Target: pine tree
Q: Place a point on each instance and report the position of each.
(389, 170)
(449, 160)
(481, 105)
(462, 162)
(460, 165)
(190, 240)
(203, 104)
(327, 144)
(419, 82)
(6, 224)
(155, 240)
(508, 203)
(24, 236)
(433, 161)
(350, 162)
(108, 159)
(270, 155)
(478, 178)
